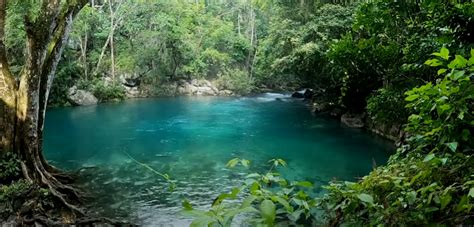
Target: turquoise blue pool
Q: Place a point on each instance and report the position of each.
(191, 139)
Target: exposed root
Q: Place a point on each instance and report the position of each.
(61, 197)
(82, 221)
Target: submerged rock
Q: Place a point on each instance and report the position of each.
(79, 97)
(353, 120)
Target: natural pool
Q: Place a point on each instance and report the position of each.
(191, 139)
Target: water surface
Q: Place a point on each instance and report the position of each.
(191, 139)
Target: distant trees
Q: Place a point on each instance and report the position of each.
(160, 42)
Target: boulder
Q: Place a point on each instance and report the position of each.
(298, 94)
(79, 97)
(320, 107)
(206, 91)
(196, 87)
(305, 93)
(353, 120)
(226, 93)
(308, 94)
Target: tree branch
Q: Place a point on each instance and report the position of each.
(54, 50)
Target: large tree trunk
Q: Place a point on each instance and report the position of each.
(23, 103)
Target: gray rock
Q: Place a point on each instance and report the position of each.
(226, 93)
(353, 120)
(79, 97)
(205, 91)
(196, 87)
(132, 92)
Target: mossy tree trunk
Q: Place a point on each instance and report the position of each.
(23, 98)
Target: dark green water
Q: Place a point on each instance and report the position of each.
(191, 139)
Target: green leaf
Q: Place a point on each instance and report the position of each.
(268, 211)
(458, 74)
(305, 184)
(445, 200)
(296, 215)
(433, 62)
(202, 222)
(245, 162)
(187, 205)
(441, 71)
(471, 193)
(232, 163)
(458, 62)
(471, 59)
(282, 162)
(248, 201)
(411, 97)
(444, 53)
(283, 202)
(429, 157)
(366, 198)
(253, 175)
(452, 146)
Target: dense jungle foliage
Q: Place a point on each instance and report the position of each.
(407, 63)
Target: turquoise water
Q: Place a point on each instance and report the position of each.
(191, 139)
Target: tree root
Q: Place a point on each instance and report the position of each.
(82, 221)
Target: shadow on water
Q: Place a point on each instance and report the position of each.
(191, 139)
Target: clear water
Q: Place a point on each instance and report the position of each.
(191, 139)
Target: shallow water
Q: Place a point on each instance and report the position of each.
(191, 139)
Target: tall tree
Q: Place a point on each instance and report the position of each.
(23, 98)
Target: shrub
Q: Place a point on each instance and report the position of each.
(430, 178)
(102, 91)
(387, 106)
(237, 81)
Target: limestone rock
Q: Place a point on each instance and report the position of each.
(196, 87)
(132, 92)
(79, 97)
(353, 120)
(226, 93)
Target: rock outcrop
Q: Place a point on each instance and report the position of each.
(199, 88)
(298, 94)
(392, 132)
(306, 93)
(353, 120)
(79, 97)
(132, 92)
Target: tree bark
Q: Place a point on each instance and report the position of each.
(25, 101)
